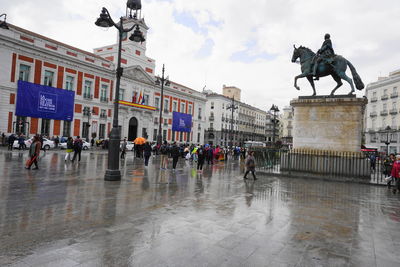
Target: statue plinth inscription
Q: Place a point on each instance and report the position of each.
(328, 123)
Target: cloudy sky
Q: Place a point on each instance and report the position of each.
(245, 43)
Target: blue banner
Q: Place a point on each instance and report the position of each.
(181, 122)
(40, 101)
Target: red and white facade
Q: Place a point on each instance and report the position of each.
(41, 60)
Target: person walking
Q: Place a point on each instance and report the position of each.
(210, 154)
(34, 152)
(201, 155)
(123, 148)
(175, 153)
(77, 148)
(396, 174)
(250, 165)
(147, 153)
(388, 165)
(70, 148)
(21, 142)
(56, 141)
(11, 140)
(164, 155)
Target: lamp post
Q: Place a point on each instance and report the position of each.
(87, 112)
(3, 24)
(113, 173)
(275, 109)
(232, 107)
(163, 82)
(387, 143)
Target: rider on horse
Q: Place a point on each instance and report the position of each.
(326, 54)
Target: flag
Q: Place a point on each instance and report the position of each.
(140, 97)
(134, 97)
(143, 100)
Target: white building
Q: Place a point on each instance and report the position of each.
(286, 125)
(382, 111)
(31, 57)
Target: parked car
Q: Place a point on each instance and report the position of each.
(85, 145)
(130, 146)
(47, 144)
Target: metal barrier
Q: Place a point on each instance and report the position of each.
(331, 165)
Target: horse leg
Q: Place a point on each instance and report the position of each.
(298, 77)
(311, 80)
(349, 80)
(338, 80)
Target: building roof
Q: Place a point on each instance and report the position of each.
(11, 26)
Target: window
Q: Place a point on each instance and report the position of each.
(155, 134)
(173, 136)
(373, 94)
(190, 109)
(166, 106)
(85, 130)
(174, 106)
(199, 116)
(394, 122)
(180, 136)
(69, 83)
(183, 110)
(385, 106)
(198, 137)
(121, 94)
(45, 129)
(144, 133)
(385, 91)
(48, 78)
(67, 129)
(102, 130)
(211, 125)
(24, 71)
(103, 114)
(157, 102)
(21, 125)
(223, 105)
(394, 90)
(103, 93)
(146, 100)
(212, 105)
(87, 89)
(394, 105)
(164, 135)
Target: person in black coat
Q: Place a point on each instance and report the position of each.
(175, 153)
(147, 153)
(201, 155)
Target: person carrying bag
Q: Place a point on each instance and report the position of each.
(34, 152)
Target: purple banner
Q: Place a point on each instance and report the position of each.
(181, 122)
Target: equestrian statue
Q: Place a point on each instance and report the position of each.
(325, 63)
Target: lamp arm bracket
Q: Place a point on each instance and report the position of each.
(109, 16)
(130, 29)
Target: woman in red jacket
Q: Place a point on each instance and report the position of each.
(396, 174)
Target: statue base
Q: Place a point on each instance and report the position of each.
(329, 123)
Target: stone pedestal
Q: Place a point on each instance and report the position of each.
(328, 123)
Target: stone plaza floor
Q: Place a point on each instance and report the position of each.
(67, 215)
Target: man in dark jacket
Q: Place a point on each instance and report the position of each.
(175, 153)
(78, 143)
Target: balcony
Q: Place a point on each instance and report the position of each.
(384, 113)
(393, 111)
(87, 96)
(199, 117)
(384, 97)
(166, 111)
(373, 114)
(371, 130)
(211, 118)
(104, 99)
(103, 116)
(156, 121)
(165, 123)
(210, 129)
(374, 99)
(223, 118)
(394, 95)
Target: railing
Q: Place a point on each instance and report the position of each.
(394, 95)
(211, 129)
(199, 117)
(393, 111)
(329, 165)
(211, 118)
(384, 113)
(103, 99)
(384, 97)
(87, 96)
(374, 99)
(166, 111)
(103, 116)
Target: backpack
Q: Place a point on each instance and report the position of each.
(78, 144)
(163, 149)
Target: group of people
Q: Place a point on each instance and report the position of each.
(391, 166)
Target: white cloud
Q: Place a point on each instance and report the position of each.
(363, 31)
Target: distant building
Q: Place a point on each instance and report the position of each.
(232, 92)
(286, 122)
(382, 111)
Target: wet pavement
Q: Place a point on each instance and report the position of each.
(67, 215)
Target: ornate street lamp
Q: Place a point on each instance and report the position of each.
(274, 109)
(232, 107)
(113, 173)
(87, 112)
(163, 82)
(3, 24)
(387, 143)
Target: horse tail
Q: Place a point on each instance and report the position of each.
(357, 79)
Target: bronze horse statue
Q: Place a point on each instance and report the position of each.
(337, 69)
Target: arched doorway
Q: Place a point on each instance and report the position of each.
(132, 130)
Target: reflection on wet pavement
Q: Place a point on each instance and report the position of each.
(66, 215)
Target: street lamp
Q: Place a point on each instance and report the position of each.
(3, 24)
(387, 143)
(87, 112)
(113, 173)
(232, 107)
(163, 82)
(275, 109)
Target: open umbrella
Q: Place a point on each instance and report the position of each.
(139, 141)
